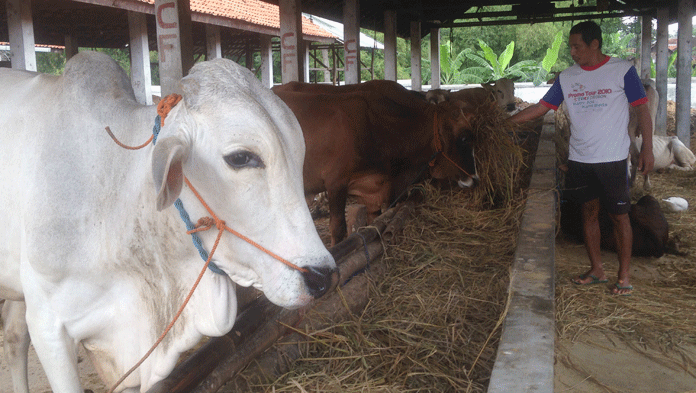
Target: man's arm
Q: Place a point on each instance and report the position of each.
(646, 159)
(530, 113)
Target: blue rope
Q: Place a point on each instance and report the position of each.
(197, 242)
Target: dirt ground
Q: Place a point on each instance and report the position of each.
(601, 361)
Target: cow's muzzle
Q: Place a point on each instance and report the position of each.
(318, 280)
(469, 182)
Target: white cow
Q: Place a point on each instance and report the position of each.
(669, 151)
(84, 247)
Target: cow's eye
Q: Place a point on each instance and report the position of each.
(243, 159)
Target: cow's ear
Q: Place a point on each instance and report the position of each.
(167, 169)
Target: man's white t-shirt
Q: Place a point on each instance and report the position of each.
(597, 99)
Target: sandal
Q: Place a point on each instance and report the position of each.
(620, 290)
(582, 277)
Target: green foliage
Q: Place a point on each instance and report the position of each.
(670, 63)
(549, 60)
(617, 44)
(490, 67)
(50, 62)
(495, 64)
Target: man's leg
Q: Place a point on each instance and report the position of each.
(592, 235)
(624, 244)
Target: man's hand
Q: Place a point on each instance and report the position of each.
(646, 159)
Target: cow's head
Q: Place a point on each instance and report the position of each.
(242, 149)
(436, 96)
(456, 160)
(504, 92)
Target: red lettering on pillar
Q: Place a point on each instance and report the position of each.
(283, 41)
(160, 21)
(350, 47)
(288, 59)
(162, 48)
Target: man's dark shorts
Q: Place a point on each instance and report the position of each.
(607, 181)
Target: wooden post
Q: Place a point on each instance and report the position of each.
(21, 31)
(390, 45)
(71, 47)
(351, 43)
(266, 61)
(684, 62)
(435, 58)
(645, 46)
(174, 42)
(290, 40)
(141, 79)
(661, 70)
(249, 57)
(416, 80)
(213, 47)
(325, 58)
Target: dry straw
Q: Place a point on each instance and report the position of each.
(436, 299)
(661, 312)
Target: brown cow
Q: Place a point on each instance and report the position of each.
(389, 88)
(650, 228)
(373, 143)
(502, 92)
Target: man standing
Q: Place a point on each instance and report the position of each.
(597, 90)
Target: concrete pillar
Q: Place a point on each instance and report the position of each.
(21, 31)
(435, 58)
(351, 43)
(662, 57)
(213, 46)
(645, 44)
(174, 42)
(71, 47)
(683, 94)
(291, 40)
(416, 80)
(390, 45)
(141, 79)
(266, 61)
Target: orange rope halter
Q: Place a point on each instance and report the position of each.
(437, 144)
(203, 224)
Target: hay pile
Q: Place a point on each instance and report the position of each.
(660, 312)
(436, 299)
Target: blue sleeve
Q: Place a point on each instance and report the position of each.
(554, 97)
(633, 86)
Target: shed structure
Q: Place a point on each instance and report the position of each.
(183, 30)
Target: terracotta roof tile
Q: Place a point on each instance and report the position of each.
(256, 12)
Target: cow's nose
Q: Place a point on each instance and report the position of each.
(469, 182)
(318, 280)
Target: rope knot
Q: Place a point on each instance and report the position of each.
(165, 105)
(203, 224)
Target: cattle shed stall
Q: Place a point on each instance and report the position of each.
(534, 282)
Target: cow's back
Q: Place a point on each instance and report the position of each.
(57, 163)
(336, 133)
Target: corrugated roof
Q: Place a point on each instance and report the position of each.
(255, 12)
